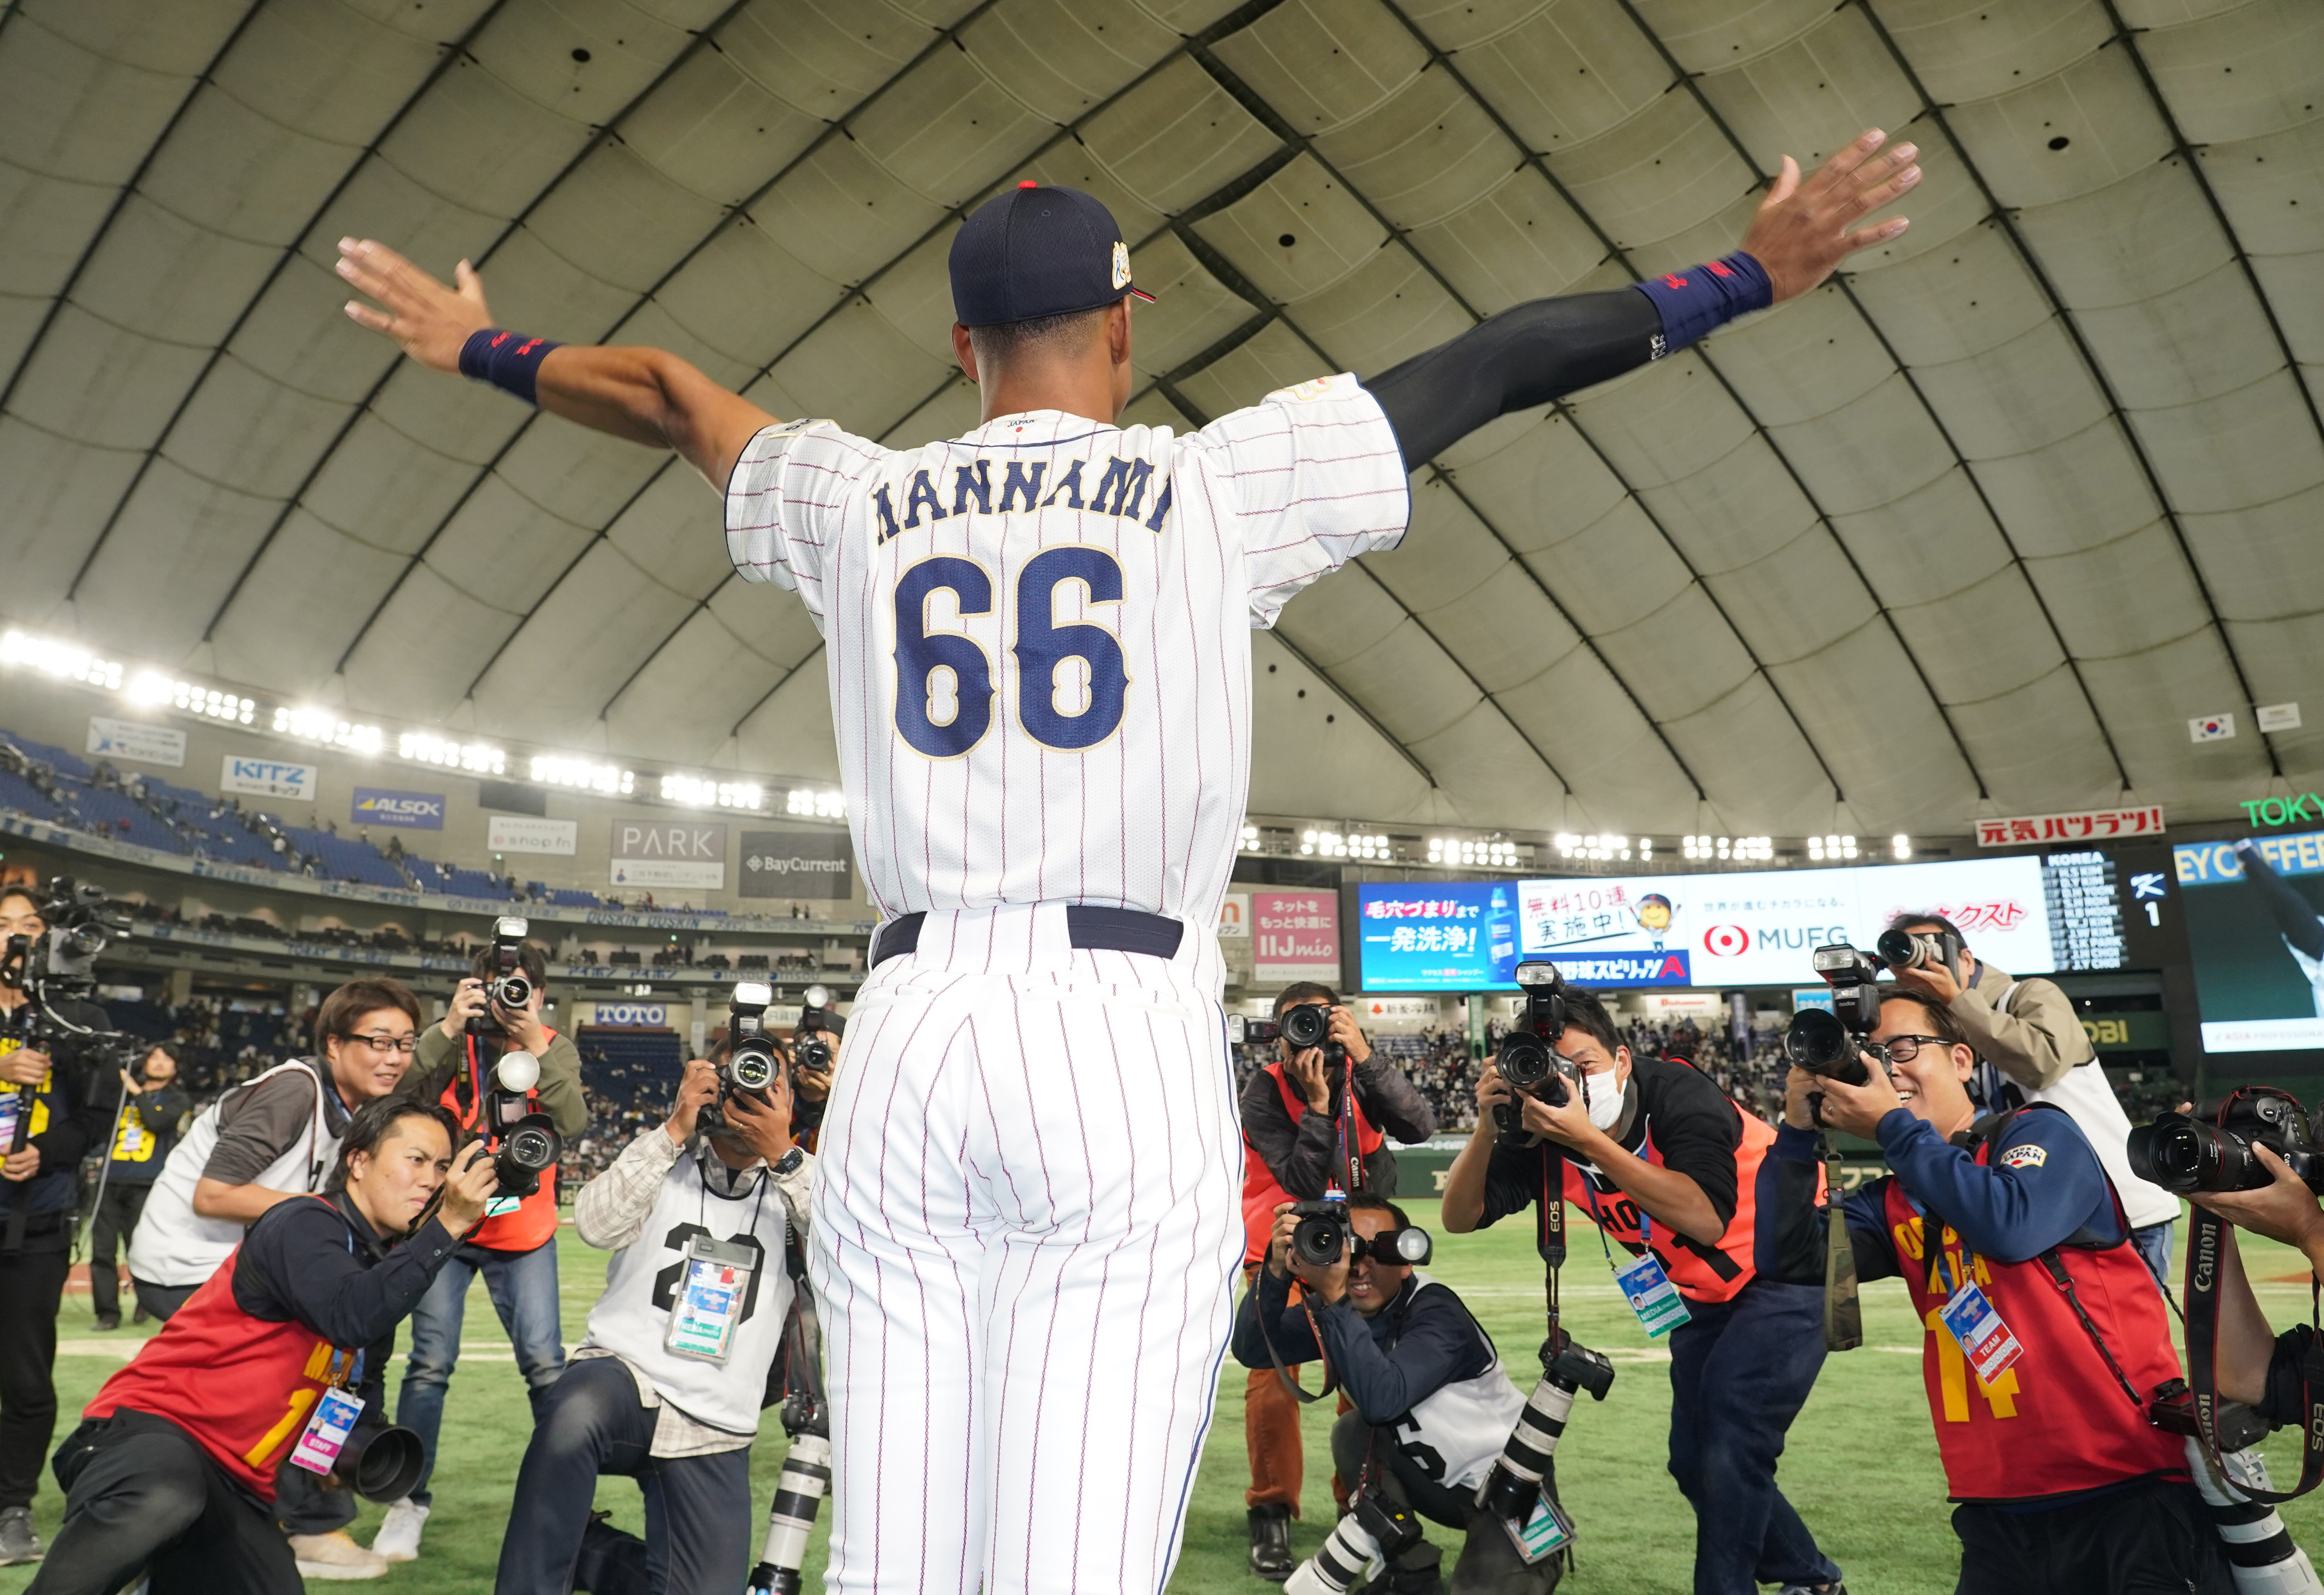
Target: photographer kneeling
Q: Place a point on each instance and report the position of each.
(668, 1385)
(277, 1358)
(2040, 1395)
(1432, 1407)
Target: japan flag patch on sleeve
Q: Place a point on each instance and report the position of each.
(2025, 1157)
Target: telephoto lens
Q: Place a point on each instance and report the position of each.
(527, 1149)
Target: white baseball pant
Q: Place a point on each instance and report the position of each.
(1025, 1239)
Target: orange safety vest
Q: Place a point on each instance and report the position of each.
(533, 1224)
(1261, 1193)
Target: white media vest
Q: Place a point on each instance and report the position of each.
(175, 1246)
(1464, 1424)
(631, 1318)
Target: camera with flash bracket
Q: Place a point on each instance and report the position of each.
(751, 1064)
(811, 1037)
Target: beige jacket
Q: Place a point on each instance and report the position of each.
(2036, 1042)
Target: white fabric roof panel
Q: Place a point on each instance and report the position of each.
(1998, 576)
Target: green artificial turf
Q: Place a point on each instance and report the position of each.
(1861, 1466)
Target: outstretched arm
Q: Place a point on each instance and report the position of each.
(647, 396)
(1537, 352)
(2294, 916)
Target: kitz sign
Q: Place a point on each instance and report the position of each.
(669, 852)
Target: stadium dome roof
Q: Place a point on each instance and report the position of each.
(1977, 529)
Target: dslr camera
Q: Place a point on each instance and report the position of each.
(1301, 1028)
(2210, 1150)
(751, 1064)
(1322, 1233)
(1827, 1042)
(1528, 1057)
(524, 1143)
(1918, 949)
(810, 1037)
(508, 988)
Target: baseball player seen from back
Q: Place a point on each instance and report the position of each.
(1025, 1226)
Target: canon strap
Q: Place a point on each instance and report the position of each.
(1283, 1374)
(2206, 1253)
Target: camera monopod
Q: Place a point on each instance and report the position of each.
(806, 1477)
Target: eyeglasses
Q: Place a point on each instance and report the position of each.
(1904, 1049)
(405, 1044)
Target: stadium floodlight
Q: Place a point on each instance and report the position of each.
(307, 723)
(823, 804)
(1901, 846)
(66, 661)
(552, 769)
(1250, 839)
(705, 792)
(154, 689)
(477, 758)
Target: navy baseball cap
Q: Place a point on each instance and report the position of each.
(1037, 251)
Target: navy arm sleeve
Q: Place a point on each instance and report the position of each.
(1802, 1223)
(1295, 1342)
(295, 1264)
(2044, 1186)
(1439, 1344)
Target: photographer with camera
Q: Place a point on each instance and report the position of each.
(1429, 1402)
(458, 1066)
(51, 1115)
(261, 1144)
(1675, 1172)
(1316, 1117)
(668, 1384)
(154, 1107)
(2032, 1287)
(2031, 1047)
(272, 1365)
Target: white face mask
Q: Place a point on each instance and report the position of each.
(1604, 1093)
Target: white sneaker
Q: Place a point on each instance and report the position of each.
(398, 1539)
(334, 1555)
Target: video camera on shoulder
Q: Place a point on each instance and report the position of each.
(751, 1064)
(2211, 1149)
(810, 1037)
(1528, 1058)
(1322, 1233)
(1829, 1042)
(62, 965)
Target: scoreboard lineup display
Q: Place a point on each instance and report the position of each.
(2030, 914)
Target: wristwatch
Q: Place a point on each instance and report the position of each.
(790, 1161)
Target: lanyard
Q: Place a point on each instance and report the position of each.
(1645, 1222)
(702, 1193)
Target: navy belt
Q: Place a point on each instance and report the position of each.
(1116, 930)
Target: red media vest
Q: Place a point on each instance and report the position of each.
(1261, 1193)
(534, 1223)
(241, 1387)
(2055, 1421)
(1701, 1273)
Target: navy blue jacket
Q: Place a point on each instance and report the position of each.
(1436, 1343)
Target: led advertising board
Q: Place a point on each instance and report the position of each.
(2255, 936)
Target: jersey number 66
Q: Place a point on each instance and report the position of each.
(1042, 646)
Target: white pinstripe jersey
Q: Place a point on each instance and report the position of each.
(1038, 634)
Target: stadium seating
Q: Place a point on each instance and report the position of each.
(117, 814)
(344, 858)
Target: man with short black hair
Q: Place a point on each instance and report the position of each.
(1306, 1127)
(1670, 1168)
(1429, 1406)
(515, 1248)
(2064, 1485)
(2031, 1047)
(154, 1107)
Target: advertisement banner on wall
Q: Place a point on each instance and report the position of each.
(644, 1016)
(1234, 917)
(518, 832)
(669, 852)
(1754, 928)
(129, 739)
(2255, 936)
(801, 864)
(416, 811)
(1294, 937)
(267, 778)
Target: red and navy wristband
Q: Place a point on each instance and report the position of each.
(1698, 301)
(509, 361)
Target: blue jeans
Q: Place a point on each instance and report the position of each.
(697, 1508)
(1741, 1371)
(2154, 1243)
(523, 1289)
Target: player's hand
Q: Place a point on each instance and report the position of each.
(1859, 1108)
(1304, 1070)
(1344, 1030)
(2285, 1210)
(25, 1067)
(697, 1088)
(20, 1166)
(467, 1003)
(1800, 233)
(428, 319)
(765, 1122)
(467, 1188)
